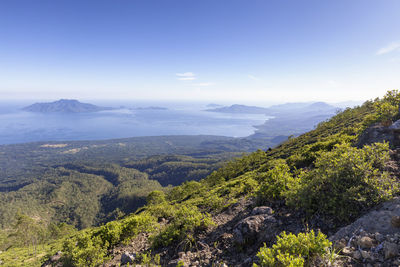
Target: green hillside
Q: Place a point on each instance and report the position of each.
(306, 182)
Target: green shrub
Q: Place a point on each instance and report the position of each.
(85, 250)
(89, 248)
(388, 107)
(156, 197)
(274, 182)
(147, 259)
(344, 177)
(294, 250)
(186, 222)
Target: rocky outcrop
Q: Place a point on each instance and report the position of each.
(380, 133)
(372, 240)
(250, 229)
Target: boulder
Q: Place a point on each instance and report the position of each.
(262, 210)
(390, 249)
(366, 242)
(250, 229)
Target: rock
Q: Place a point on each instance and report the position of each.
(365, 242)
(249, 229)
(56, 257)
(181, 254)
(262, 210)
(395, 125)
(127, 258)
(395, 221)
(347, 251)
(357, 255)
(365, 254)
(390, 249)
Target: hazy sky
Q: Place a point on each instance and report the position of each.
(213, 50)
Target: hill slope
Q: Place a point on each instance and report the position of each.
(299, 187)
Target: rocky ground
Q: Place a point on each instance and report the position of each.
(372, 240)
(241, 230)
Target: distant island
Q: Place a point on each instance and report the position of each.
(240, 109)
(64, 106)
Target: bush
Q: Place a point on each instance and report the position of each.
(90, 248)
(388, 107)
(274, 183)
(186, 222)
(344, 177)
(85, 250)
(294, 250)
(156, 197)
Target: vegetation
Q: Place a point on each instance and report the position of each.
(92, 182)
(304, 249)
(186, 221)
(317, 173)
(344, 177)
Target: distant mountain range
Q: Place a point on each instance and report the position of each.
(240, 109)
(64, 106)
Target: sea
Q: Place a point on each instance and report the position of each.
(127, 119)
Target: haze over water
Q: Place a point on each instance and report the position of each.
(17, 126)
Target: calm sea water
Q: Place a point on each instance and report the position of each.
(18, 126)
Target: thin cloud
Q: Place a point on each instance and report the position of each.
(186, 76)
(203, 84)
(252, 77)
(389, 48)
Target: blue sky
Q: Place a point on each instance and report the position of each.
(211, 50)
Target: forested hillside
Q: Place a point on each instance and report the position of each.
(268, 208)
(300, 186)
(85, 183)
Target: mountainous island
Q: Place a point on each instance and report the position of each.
(64, 106)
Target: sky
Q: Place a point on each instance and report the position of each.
(190, 50)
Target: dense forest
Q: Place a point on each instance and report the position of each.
(87, 183)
